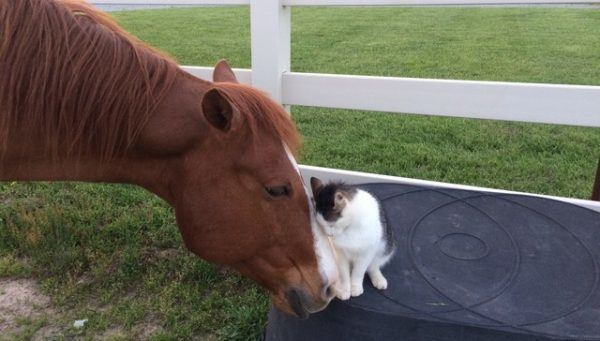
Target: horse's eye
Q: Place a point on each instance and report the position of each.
(278, 191)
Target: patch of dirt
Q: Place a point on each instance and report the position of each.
(111, 334)
(141, 331)
(145, 331)
(169, 253)
(20, 298)
(47, 333)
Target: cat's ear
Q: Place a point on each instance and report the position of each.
(315, 185)
(339, 200)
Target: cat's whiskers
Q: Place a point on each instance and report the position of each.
(335, 255)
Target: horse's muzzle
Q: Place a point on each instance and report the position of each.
(303, 305)
(295, 301)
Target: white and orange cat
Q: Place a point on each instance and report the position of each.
(363, 242)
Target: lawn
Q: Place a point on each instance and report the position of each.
(112, 253)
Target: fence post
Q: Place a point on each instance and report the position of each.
(271, 49)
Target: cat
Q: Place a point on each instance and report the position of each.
(362, 240)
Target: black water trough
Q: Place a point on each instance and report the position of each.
(471, 266)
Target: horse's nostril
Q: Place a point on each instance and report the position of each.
(295, 301)
(328, 293)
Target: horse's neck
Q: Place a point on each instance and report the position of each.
(148, 173)
(149, 164)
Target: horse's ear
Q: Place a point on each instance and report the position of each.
(223, 73)
(218, 110)
(315, 185)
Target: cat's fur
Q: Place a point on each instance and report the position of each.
(354, 220)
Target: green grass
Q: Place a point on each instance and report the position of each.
(112, 253)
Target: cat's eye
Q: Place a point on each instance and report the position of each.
(278, 191)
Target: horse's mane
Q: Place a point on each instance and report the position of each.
(262, 114)
(70, 74)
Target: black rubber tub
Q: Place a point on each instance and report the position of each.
(471, 266)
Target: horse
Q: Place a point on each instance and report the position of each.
(83, 100)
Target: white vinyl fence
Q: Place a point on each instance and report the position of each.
(525, 102)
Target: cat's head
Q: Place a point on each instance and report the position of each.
(332, 203)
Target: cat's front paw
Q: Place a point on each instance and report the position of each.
(356, 290)
(379, 282)
(343, 295)
(342, 292)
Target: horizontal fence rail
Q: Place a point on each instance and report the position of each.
(540, 103)
(171, 2)
(243, 75)
(577, 105)
(350, 2)
(431, 2)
